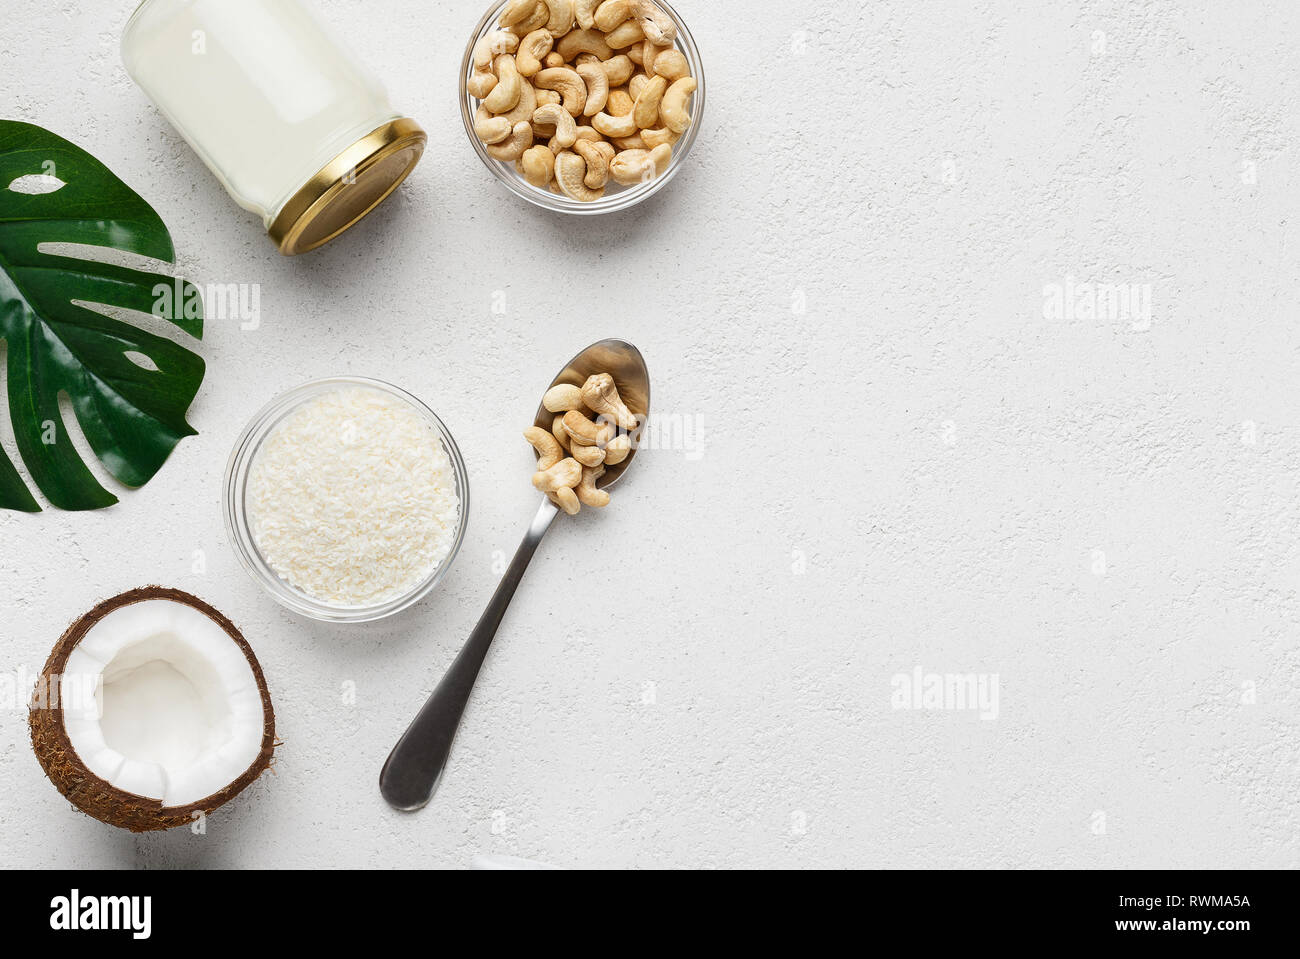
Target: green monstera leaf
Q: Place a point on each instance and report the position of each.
(132, 412)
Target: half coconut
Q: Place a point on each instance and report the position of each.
(152, 708)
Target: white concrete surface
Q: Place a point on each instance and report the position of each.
(907, 462)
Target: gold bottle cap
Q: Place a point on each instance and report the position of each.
(348, 187)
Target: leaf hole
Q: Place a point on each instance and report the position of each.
(85, 452)
(142, 361)
(36, 184)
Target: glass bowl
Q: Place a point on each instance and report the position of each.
(239, 528)
(617, 197)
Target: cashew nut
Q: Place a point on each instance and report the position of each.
(662, 155)
(570, 175)
(584, 11)
(649, 53)
(586, 455)
(560, 481)
(567, 500)
(549, 451)
(634, 53)
(505, 95)
(600, 394)
(589, 134)
(586, 491)
(617, 450)
(611, 13)
(673, 106)
(646, 110)
(536, 21)
(671, 64)
(654, 138)
(513, 147)
(566, 473)
(554, 115)
(583, 431)
(547, 96)
(488, 128)
(531, 50)
(553, 59)
(623, 126)
(584, 41)
(585, 135)
(517, 11)
(597, 154)
(491, 45)
(544, 128)
(560, 16)
(569, 85)
(557, 424)
(523, 111)
(620, 103)
(538, 165)
(658, 26)
(634, 142)
(640, 166)
(563, 398)
(619, 69)
(593, 74)
(481, 83)
(622, 36)
(637, 84)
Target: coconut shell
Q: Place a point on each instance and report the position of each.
(88, 792)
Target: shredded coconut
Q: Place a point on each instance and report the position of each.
(352, 499)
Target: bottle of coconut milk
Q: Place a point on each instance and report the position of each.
(292, 124)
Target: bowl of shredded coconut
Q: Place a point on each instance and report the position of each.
(347, 499)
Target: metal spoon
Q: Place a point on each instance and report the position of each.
(414, 768)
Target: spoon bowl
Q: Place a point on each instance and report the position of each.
(624, 362)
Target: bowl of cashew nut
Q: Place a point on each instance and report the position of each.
(582, 106)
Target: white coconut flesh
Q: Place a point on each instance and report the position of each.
(176, 714)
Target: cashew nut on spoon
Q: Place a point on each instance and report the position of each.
(583, 430)
(415, 766)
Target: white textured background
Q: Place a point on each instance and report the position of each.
(846, 288)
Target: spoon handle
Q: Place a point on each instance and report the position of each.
(411, 774)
